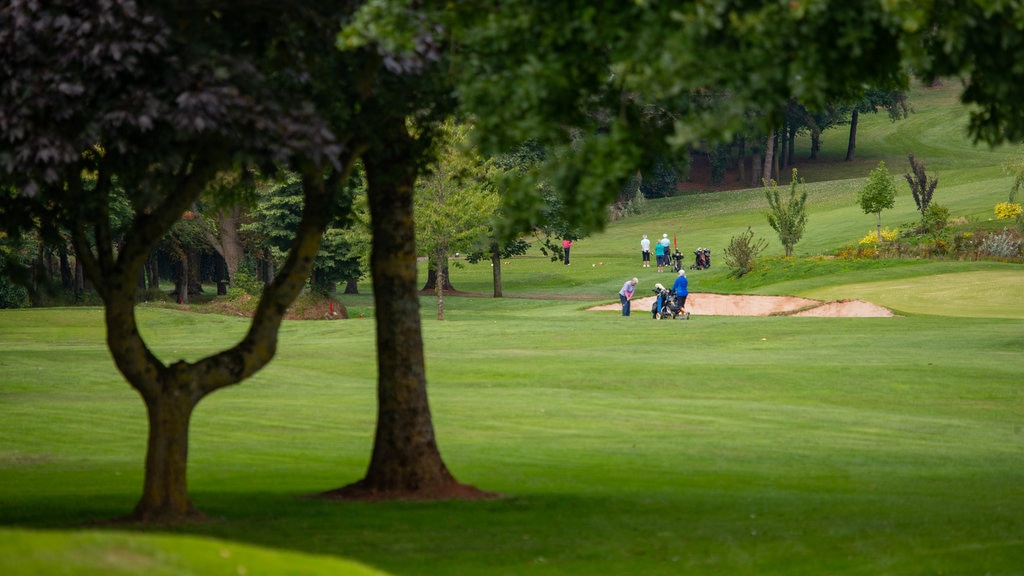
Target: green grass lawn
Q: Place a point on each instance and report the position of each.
(722, 445)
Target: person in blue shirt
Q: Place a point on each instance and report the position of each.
(681, 288)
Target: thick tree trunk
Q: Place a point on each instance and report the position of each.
(165, 488)
(351, 287)
(496, 270)
(852, 145)
(228, 240)
(432, 275)
(406, 462)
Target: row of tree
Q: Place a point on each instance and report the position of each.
(157, 102)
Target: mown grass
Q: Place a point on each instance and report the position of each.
(623, 446)
(723, 445)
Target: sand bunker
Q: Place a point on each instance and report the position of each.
(726, 305)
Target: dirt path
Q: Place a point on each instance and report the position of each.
(731, 305)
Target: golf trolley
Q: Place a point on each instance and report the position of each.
(677, 260)
(702, 259)
(664, 306)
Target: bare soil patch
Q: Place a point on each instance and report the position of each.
(706, 304)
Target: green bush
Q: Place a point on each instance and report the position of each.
(246, 281)
(742, 252)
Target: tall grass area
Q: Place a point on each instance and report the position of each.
(623, 446)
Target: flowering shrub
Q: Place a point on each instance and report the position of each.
(857, 253)
(888, 235)
(1007, 210)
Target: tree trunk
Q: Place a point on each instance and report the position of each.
(742, 164)
(152, 272)
(769, 156)
(815, 143)
(406, 461)
(441, 276)
(67, 279)
(79, 277)
(228, 240)
(231, 242)
(432, 276)
(775, 162)
(852, 145)
(165, 488)
(791, 147)
(496, 270)
(351, 287)
(755, 169)
(195, 286)
(181, 283)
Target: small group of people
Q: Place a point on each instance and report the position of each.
(662, 253)
(681, 287)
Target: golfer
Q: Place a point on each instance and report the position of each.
(681, 288)
(626, 294)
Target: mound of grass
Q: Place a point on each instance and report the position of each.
(87, 553)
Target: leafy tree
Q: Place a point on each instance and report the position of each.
(455, 201)
(879, 193)
(787, 217)
(152, 113)
(412, 88)
(893, 101)
(921, 187)
(275, 222)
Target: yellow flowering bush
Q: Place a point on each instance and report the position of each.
(1007, 210)
(888, 235)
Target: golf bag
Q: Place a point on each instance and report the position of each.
(677, 260)
(665, 304)
(702, 259)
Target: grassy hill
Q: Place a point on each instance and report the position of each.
(971, 181)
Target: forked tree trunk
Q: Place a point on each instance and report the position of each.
(172, 392)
